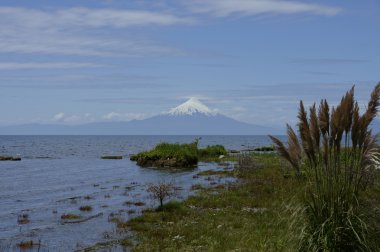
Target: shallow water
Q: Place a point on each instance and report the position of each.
(57, 172)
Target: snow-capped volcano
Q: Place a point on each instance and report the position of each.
(190, 107)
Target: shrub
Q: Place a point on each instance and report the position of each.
(161, 191)
(337, 150)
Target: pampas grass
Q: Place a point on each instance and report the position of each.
(337, 152)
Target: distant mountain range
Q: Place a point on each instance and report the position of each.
(189, 118)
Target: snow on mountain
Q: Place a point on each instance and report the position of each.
(190, 107)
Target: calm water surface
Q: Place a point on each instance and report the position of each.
(57, 172)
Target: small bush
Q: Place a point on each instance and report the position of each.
(161, 191)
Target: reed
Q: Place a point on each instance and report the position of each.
(337, 153)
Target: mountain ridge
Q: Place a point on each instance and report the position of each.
(190, 118)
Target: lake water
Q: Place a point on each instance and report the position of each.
(56, 174)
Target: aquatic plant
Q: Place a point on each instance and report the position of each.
(23, 219)
(70, 216)
(27, 245)
(336, 153)
(85, 208)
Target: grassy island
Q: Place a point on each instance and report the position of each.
(177, 155)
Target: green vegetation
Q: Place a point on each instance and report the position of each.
(168, 155)
(177, 155)
(212, 151)
(337, 155)
(111, 157)
(251, 215)
(264, 211)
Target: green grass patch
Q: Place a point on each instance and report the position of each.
(177, 155)
(212, 151)
(171, 206)
(246, 216)
(263, 211)
(125, 242)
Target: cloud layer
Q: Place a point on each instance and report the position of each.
(72, 31)
(223, 8)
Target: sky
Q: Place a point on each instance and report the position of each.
(80, 61)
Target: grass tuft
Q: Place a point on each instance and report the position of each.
(337, 154)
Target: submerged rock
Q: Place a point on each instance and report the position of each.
(9, 158)
(111, 157)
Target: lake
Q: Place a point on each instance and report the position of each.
(58, 174)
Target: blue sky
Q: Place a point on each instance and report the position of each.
(78, 61)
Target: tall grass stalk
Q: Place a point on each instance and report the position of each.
(335, 150)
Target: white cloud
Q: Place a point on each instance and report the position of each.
(223, 8)
(86, 17)
(72, 119)
(59, 117)
(46, 65)
(115, 116)
(75, 31)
